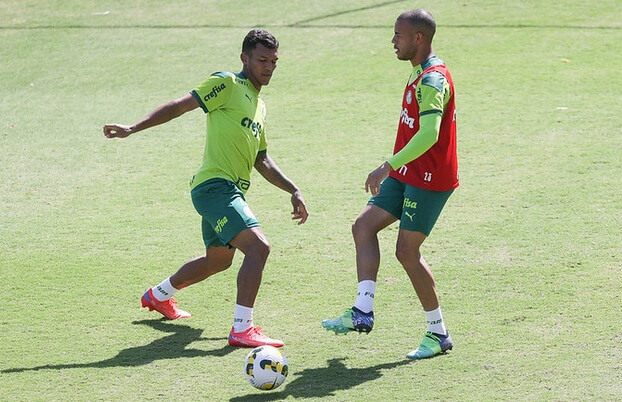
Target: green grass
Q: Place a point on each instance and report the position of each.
(526, 255)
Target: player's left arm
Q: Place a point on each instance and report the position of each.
(271, 172)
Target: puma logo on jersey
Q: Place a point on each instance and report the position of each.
(409, 215)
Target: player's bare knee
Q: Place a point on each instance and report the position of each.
(406, 256)
(224, 266)
(360, 229)
(266, 248)
(261, 249)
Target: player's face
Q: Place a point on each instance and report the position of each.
(260, 65)
(404, 40)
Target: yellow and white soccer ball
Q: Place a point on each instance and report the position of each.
(265, 367)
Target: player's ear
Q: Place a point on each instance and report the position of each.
(244, 58)
(421, 37)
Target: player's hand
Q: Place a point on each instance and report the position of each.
(376, 177)
(117, 130)
(300, 208)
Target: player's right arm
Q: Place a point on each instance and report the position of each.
(159, 116)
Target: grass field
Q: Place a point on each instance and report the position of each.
(527, 254)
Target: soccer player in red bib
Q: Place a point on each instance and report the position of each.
(412, 186)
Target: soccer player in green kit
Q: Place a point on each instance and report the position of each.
(235, 142)
(412, 186)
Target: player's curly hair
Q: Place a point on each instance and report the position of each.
(259, 36)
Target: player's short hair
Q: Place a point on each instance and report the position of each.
(256, 37)
(421, 19)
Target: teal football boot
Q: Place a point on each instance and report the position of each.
(352, 320)
(432, 345)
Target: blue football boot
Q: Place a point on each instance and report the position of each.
(352, 320)
(432, 345)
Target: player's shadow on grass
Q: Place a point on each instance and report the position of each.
(324, 381)
(169, 347)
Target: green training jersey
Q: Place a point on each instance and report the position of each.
(236, 118)
(433, 91)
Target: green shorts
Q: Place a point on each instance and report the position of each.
(223, 209)
(416, 208)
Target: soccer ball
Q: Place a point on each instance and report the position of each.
(265, 367)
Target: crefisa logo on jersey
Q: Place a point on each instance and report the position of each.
(406, 119)
(214, 92)
(254, 126)
(409, 97)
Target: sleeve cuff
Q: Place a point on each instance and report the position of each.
(393, 162)
(199, 100)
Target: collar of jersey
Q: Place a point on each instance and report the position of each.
(429, 62)
(243, 76)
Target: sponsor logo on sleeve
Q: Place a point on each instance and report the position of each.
(214, 92)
